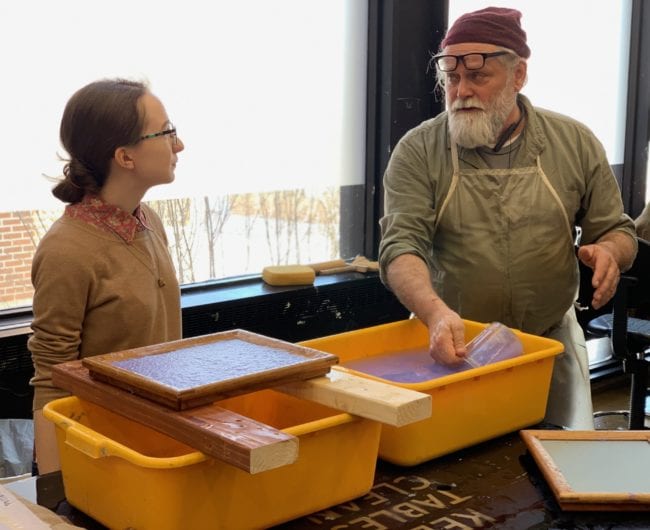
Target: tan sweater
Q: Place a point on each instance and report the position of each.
(95, 294)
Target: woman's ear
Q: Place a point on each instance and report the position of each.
(124, 158)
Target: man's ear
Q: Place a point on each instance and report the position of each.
(123, 157)
(521, 73)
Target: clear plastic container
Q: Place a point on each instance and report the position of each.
(495, 343)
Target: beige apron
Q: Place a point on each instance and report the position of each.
(504, 238)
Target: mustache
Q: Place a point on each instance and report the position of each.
(467, 103)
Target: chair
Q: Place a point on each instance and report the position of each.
(629, 330)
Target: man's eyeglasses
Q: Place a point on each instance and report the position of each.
(171, 130)
(471, 61)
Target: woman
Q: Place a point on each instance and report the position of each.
(103, 277)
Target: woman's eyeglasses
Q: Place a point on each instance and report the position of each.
(171, 131)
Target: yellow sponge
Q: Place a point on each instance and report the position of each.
(288, 275)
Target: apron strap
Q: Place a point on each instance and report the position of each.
(551, 189)
(452, 185)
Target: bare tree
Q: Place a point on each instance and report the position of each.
(329, 218)
(293, 204)
(281, 211)
(178, 215)
(247, 204)
(291, 219)
(271, 222)
(310, 217)
(215, 216)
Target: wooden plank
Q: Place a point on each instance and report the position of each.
(219, 433)
(364, 397)
(191, 372)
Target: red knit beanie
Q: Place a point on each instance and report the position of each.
(493, 25)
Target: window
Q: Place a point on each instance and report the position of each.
(268, 97)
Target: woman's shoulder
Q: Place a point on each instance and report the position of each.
(69, 228)
(70, 237)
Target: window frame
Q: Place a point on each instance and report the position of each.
(637, 129)
(399, 96)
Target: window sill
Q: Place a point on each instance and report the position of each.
(334, 303)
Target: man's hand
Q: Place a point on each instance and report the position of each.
(408, 277)
(446, 335)
(600, 259)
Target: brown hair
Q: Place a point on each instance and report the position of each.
(98, 118)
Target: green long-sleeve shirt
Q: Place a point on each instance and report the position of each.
(419, 173)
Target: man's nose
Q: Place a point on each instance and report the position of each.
(464, 89)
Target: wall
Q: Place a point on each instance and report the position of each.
(16, 251)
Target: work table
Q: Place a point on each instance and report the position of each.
(495, 484)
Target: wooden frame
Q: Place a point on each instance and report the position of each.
(239, 440)
(217, 432)
(200, 370)
(594, 470)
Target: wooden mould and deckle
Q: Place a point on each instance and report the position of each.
(594, 470)
(172, 388)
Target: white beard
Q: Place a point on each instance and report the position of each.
(480, 128)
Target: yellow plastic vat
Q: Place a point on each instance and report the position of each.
(126, 475)
(468, 407)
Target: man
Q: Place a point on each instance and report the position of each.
(481, 204)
